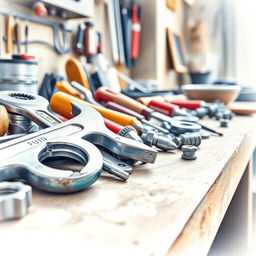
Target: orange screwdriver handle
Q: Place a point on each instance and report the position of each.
(3, 120)
(64, 86)
(61, 104)
(106, 95)
(146, 100)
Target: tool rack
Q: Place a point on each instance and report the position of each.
(173, 207)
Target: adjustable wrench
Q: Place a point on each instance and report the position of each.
(23, 157)
(36, 108)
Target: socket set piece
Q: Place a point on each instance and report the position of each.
(15, 199)
(193, 139)
(189, 152)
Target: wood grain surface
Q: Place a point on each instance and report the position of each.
(163, 206)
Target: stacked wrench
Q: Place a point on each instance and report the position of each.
(36, 108)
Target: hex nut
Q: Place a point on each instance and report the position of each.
(189, 152)
(15, 199)
(148, 138)
(224, 122)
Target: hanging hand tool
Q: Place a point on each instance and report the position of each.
(17, 36)
(136, 29)
(26, 35)
(90, 42)
(79, 40)
(75, 72)
(57, 28)
(9, 33)
(105, 95)
(3, 120)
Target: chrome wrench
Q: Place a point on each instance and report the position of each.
(35, 108)
(23, 157)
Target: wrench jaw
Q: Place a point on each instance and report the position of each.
(96, 132)
(31, 168)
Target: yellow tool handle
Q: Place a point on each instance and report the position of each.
(9, 33)
(61, 104)
(75, 72)
(104, 94)
(64, 86)
(3, 120)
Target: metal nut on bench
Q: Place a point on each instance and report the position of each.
(15, 198)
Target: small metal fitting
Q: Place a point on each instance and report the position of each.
(20, 124)
(189, 152)
(15, 199)
(166, 125)
(200, 112)
(130, 133)
(194, 139)
(161, 142)
(205, 135)
(224, 122)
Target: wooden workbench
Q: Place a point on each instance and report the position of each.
(172, 207)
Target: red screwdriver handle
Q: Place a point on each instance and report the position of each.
(113, 126)
(189, 104)
(165, 108)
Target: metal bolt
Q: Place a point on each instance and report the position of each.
(224, 122)
(161, 142)
(189, 152)
(205, 135)
(194, 139)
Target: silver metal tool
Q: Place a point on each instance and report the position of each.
(189, 152)
(31, 106)
(35, 107)
(15, 199)
(23, 157)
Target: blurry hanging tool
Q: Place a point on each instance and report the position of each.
(40, 9)
(76, 72)
(17, 36)
(79, 40)
(9, 33)
(47, 88)
(57, 28)
(126, 32)
(90, 42)
(136, 29)
(99, 42)
(109, 72)
(26, 35)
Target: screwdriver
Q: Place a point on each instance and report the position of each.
(167, 108)
(122, 109)
(106, 95)
(17, 36)
(61, 104)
